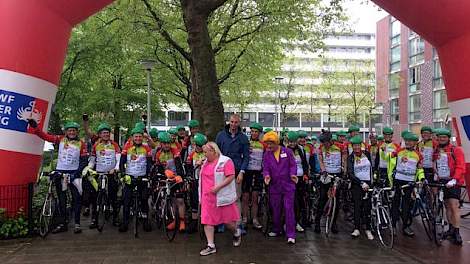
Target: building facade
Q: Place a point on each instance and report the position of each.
(308, 108)
(408, 79)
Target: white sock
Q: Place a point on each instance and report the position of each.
(237, 232)
(212, 245)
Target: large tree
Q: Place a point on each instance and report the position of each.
(213, 43)
(200, 46)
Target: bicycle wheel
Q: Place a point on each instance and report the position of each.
(136, 216)
(384, 227)
(426, 218)
(45, 217)
(170, 216)
(330, 214)
(439, 224)
(102, 210)
(264, 214)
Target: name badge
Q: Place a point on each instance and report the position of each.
(283, 155)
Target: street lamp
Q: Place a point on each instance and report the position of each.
(278, 80)
(148, 66)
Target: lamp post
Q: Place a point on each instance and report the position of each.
(148, 65)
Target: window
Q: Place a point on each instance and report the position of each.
(334, 120)
(290, 120)
(248, 118)
(394, 85)
(414, 79)
(395, 58)
(311, 120)
(437, 81)
(416, 50)
(267, 119)
(177, 118)
(395, 32)
(440, 108)
(394, 111)
(414, 108)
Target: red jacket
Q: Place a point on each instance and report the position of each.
(456, 161)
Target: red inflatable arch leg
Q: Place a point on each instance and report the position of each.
(34, 37)
(444, 24)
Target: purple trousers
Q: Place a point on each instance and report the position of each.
(286, 201)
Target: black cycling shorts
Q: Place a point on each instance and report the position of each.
(429, 175)
(252, 181)
(451, 193)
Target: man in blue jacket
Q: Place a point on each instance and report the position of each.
(235, 145)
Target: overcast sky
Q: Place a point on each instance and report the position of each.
(363, 16)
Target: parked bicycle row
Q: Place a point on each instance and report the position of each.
(280, 183)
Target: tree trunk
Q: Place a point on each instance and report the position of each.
(206, 100)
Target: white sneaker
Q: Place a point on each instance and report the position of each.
(356, 233)
(272, 234)
(299, 228)
(369, 235)
(291, 241)
(256, 224)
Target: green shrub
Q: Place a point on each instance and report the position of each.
(13, 227)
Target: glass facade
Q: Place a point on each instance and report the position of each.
(414, 108)
(177, 118)
(394, 85)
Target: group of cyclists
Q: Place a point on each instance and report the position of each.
(381, 161)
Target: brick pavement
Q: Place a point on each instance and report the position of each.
(113, 247)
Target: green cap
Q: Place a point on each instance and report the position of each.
(256, 126)
(443, 132)
(387, 131)
(200, 139)
(137, 130)
(302, 134)
(356, 140)
(353, 128)
(426, 129)
(342, 133)
(334, 137)
(292, 136)
(173, 131)
(104, 126)
(178, 128)
(164, 137)
(153, 133)
(410, 136)
(266, 130)
(314, 138)
(404, 132)
(140, 125)
(71, 125)
(380, 137)
(193, 123)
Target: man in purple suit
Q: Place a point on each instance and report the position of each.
(280, 172)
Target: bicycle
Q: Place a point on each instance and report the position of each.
(50, 205)
(330, 206)
(136, 211)
(312, 196)
(166, 212)
(381, 223)
(102, 202)
(439, 215)
(422, 208)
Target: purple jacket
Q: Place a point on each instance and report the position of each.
(281, 171)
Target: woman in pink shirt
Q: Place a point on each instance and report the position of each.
(218, 196)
